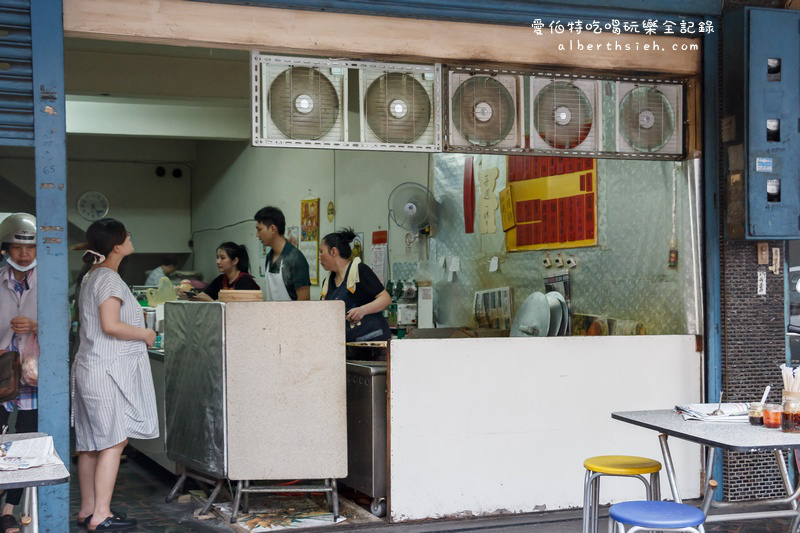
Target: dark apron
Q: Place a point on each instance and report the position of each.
(372, 327)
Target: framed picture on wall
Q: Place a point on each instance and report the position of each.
(309, 236)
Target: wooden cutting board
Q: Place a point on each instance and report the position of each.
(228, 295)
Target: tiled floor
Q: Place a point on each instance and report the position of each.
(140, 492)
(142, 487)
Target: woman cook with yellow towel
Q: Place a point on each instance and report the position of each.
(357, 286)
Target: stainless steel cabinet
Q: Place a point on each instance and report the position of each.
(366, 431)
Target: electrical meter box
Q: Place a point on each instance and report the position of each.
(760, 127)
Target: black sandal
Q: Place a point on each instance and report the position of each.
(114, 523)
(7, 521)
(85, 521)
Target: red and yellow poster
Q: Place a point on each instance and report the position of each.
(309, 236)
(553, 203)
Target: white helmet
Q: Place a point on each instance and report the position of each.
(19, 228)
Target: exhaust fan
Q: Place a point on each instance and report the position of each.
(484, 112)
(565, 116)
(400, 107)
(650, 120)
(299, 102)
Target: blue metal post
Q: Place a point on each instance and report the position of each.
(51, 216)
(713, 278)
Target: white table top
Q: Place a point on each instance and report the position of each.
(32, 477)
(733, 436)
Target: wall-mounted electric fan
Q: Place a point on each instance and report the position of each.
(299, 101)
(484, 112)
(412, 206)
(650, 119)
(399, 108)
(565, 115)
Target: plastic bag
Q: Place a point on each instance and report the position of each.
(29, 358)
(164, 293)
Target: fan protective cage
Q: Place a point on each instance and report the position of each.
(484, 112)
(411, 206)
(401, 106)
(299, 101)
(650, 119)
(565, 115)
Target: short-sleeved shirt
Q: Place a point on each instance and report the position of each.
(113, 396)
(155, 276)
(243, 283)
(295, 268)
(367, 288)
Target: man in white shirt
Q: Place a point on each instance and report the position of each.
(167, 267)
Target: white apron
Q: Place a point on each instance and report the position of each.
(274, 287)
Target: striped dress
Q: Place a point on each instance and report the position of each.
(113, 395)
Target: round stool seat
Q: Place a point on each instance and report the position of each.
(657, 515)
(622, 465)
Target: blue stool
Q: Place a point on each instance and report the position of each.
(655, 515)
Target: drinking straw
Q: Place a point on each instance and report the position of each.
(766, 393)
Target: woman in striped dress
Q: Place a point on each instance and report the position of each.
(113, 395)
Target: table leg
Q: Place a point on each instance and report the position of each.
(711, 452)
(669, 467)
(787, 483)
(30, 510)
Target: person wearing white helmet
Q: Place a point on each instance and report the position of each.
(18, 327)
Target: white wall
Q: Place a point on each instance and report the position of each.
(155, 210)
(480, 426)
(232, 180)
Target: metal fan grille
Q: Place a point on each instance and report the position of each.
(411, 206)
(398, 108)
(562, 115)
(483, 111)
(303, 103)
(647, 119)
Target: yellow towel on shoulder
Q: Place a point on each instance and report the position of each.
(352, 278)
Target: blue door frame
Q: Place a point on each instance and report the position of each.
(49, 126)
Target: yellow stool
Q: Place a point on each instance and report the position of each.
(615, 465)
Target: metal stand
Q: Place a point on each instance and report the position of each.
(29, 520)
(216, 483)
(243, 488)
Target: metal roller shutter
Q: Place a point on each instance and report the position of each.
(16, 73)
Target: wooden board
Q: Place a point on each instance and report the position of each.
(286, 31)
(286, 390)
(229, 295)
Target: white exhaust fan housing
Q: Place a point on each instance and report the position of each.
(484, 112)
(650, 120)
(400, 107)
(565, 116)
(299, 101)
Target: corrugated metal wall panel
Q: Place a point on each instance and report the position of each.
(16, 73)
